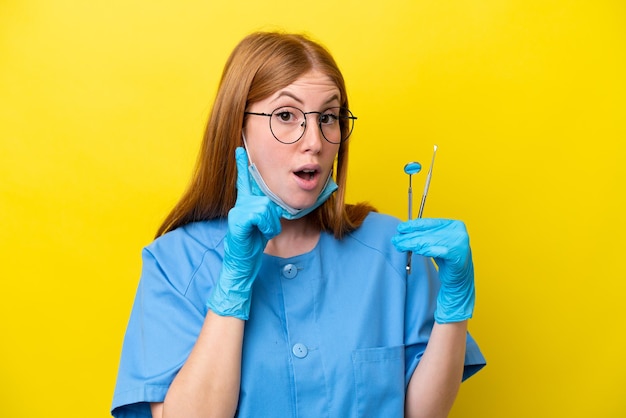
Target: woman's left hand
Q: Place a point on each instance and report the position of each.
(447, 242)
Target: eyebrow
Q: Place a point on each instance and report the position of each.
(297, 99)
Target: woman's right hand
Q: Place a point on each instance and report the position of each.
(252, 222)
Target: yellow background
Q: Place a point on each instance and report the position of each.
(102, 105)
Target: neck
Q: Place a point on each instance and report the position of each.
(297, 237)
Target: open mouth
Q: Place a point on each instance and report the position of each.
(306, 174)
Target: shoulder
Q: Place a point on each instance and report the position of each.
(376, 228)
(374, 237)
(178, 255)
(196, 236)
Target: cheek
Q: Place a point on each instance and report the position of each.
(330, 155)
(259, 142)
(270, 159)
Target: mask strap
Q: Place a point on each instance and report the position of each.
(245, 145)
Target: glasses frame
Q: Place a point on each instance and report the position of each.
(319, 122)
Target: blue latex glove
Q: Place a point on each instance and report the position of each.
(447, 242)
(252, 222)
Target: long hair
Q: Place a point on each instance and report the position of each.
(261, 64)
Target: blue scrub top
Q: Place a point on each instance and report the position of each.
(335, 332)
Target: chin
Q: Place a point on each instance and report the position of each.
(301, 204)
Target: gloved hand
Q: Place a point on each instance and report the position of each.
(447, 242)
(252, 222)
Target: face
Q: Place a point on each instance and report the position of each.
(295, 172)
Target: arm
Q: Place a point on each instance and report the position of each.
(435, 383)
(208, 383)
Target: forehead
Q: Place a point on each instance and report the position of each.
(311, 83)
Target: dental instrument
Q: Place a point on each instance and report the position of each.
(410, 169)
(427, 185)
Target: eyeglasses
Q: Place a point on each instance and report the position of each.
(288, 124)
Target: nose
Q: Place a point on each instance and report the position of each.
(312, 140)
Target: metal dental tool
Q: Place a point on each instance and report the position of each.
(410, 169)
(427, 185)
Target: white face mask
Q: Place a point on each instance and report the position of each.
(259, 187)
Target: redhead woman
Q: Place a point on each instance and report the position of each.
(266, 295)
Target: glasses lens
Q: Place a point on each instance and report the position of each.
(287, 124)
(337, 124)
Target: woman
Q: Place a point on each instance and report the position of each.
(265, 295)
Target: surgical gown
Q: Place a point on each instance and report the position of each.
(336, 332)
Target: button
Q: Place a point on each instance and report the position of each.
(300, 350)
(290, 271)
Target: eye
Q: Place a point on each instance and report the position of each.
(329, 117)
(284, 116)
(287, 115)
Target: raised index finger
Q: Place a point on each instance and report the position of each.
(243, 175)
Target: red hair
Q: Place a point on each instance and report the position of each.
(261, 64)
